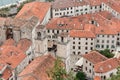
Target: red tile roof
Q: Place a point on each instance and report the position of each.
(6, 74)
(38, 68)
(37, 9)
(60, 4)
(67, 23)
(24, 44)
(106, 65)
(94, 57)
(9, 42)
(11, 55)
(82, 34)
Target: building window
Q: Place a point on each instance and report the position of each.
(90, 64)
(73, 47)
(107, 41)
(112, 46)
(113, 36)
(91, 43)
(97, 46)
(107, 46)
(113, 41)
(86, 9)
(86, 48)
(73, 42)
(97, 41)
(86, 68)
(79, 43)
(78, 47)
(102, 41)
(74, 52)
(52, 31)
(57, 31)
(48, 31)
(89, 71)
(86, 43)
(95, 7)
(104, 77)
(38, 35)
(91, 48)
(78, 53)
(86, 61)
(77, 10)
(102, 46)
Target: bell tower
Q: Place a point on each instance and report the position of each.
(40, 41)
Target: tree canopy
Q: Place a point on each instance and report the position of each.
(106, 53)
(80, 76)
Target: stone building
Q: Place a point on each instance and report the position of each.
(95, 64)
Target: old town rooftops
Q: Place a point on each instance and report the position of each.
(16, 24)
(60, 4)
(11, 52)
(37, 9)
(38, 67)
(82, 34)
(106, 65)
(24, 44)
(95, 57)
(97, 23)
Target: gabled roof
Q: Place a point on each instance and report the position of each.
(37, 9)
(106, 65)
(38, 68)
(94, 57)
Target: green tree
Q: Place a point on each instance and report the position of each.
(107, 53)
(58, 72)
(80, 76)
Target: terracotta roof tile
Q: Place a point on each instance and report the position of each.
(106, 65)
(95, 57)
(38, 67)
(9, 42)
(59, 4)
(11, 55)
(6, 74)
(82, 34)
(24, 44)
(37, 9)
(67, 23)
